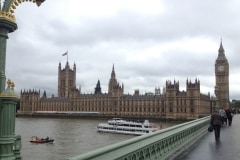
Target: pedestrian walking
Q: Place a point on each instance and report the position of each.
(229, 116)
(216, 122)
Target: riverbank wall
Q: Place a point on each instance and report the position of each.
(94, 116)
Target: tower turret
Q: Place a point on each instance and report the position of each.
(113, 86)
(66, 80)
(98, 89)
(193, 88)
(222, 78)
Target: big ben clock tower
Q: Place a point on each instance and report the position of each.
(222, 78)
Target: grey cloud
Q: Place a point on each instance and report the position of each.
(95, 43)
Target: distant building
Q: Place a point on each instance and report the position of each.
(222, 79)
(171, 103)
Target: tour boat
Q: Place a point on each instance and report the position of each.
(133, 127)
(35, 139)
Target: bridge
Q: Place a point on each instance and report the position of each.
(185, 141)
(169, 143)
(225, 149)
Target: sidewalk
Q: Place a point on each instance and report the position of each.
(228, 148)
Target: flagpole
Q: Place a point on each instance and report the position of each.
(64, 54)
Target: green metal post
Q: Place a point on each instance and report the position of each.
(8, 101)
(3, 37)
(17, 148)
(8, 98)
(6, 26)
(10, 144)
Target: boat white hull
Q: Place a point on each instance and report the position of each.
(117, 125)
(121, 132)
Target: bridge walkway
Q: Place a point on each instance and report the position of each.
(228, 148)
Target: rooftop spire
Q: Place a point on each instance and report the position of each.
(221, 46)
(113, 72)
(221, 53)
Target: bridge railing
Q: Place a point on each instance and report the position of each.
(163, 144)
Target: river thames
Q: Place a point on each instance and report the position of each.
(72, 137)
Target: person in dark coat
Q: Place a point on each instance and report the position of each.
(216, 122)
(229, 116)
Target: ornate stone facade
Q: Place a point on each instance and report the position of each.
(222, 79)
(171, 103)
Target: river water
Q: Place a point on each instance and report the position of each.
(72, 137)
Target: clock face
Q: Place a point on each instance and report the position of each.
(221, 68)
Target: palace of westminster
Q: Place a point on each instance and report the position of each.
(171, 103)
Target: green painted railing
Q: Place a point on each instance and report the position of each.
(163, 144)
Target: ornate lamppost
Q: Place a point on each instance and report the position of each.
(10, 144)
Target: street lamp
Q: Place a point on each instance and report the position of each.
(10, 144)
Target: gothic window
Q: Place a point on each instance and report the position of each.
(191, 102)
(191, 93)
(192, 110)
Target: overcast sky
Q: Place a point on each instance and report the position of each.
(148, 41)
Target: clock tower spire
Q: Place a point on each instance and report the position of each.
(222, 78)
